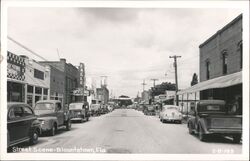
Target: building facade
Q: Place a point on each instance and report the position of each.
(71, 78)
(103, 94)
(221, 56)
(27, 80)
(15, 78)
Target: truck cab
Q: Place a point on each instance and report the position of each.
(52, 116)
(209, 117)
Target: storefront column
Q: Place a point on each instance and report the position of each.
(25, 92)
(42, 93)
(33, 97)
(48, 94)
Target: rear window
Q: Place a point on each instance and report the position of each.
(44, 106)
(75, 106)
(212, 108)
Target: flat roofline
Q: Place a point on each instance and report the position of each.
(221, 30)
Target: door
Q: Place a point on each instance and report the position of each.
(29, 116)
(17, 125)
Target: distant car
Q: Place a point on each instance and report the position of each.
(170, 113)
(79, 112)
(149, 110)
(22, 124)
(211, 117)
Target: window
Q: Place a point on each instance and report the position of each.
(38, 74)
(208, 69)
(30, 89)
(38, 90)
(58, 107)
(27, 111)
(224, 62)
(16, 112)
(45, 91)
(240, 49)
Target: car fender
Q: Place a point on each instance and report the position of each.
(202, 125)
(51, 120)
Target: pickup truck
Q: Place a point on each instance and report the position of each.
(52, 116)
(212, 117)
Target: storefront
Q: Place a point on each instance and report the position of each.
(37, 79)
(15, 78)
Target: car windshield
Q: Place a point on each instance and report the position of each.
(44, 106)
(75, 106)
(170, 108)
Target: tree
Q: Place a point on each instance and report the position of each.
(194, 79)
(161, 88)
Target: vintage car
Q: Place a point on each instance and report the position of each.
(170, 113)
(52, 116)
(148, 109)
(211, 117)
(79, 112)
(22, 124)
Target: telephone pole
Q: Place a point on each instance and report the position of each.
(143, 85)
(154, 80)
(176, 78)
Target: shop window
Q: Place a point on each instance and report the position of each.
(38, 90)
(38, 74)
(224, 62)
(37, 98)
(29, 100)
(45, 91)
(208, 69)
(30, 89)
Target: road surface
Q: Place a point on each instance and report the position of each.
(130, 131)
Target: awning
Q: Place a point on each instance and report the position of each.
(220, 82)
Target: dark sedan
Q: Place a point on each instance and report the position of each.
(22, 124)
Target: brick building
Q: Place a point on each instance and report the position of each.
(220, 67)
(103, 94)
(221, 54)
(70, 80)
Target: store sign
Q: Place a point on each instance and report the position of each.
(79, 92)
(13, 69)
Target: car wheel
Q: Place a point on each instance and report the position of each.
(87, 118)
(236, 138)
(53, 130)
(68, 125)
(34, 137)
(201, 135)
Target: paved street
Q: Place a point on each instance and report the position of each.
(129, 131)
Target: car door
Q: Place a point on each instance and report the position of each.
(29, 116)
(17, 124)
(59, 113)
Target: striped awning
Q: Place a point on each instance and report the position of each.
(220, 82)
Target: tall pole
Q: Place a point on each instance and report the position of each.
(176, 78)
(143, 85)
(154, 81)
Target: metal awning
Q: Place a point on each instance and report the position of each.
(220, 82)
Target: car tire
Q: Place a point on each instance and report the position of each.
(53, 130)
(68, 125)
(236, 138)
(34, 137)
(202, 136)
(87, 118)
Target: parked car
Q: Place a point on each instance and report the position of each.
(211, 117)
(95, 109)
(79, 112)
(149, 110)
(170, 113)
(52, 116)
(22, 124)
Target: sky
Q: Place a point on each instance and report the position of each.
(128, 45)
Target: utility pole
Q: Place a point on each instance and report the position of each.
(143, 85)
(154, 81)
(176, 78)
